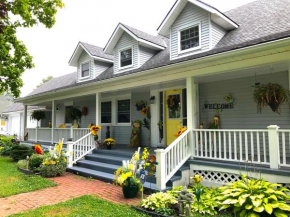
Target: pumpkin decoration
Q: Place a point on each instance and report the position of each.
(85, 111)
(272, 95)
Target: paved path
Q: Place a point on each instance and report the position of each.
(69, 186)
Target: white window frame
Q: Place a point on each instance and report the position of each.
(107, 124)
(125, 67)
(81, 68)
(179, 38)
(123, 124)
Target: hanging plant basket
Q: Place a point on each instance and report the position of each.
(38, 115)
(73, 113)
(272, 95)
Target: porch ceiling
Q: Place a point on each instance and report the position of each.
(258, 70)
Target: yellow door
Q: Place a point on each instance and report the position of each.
(173, 114)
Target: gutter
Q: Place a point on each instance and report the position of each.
(218, 55)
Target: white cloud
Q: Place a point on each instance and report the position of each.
(93, 22)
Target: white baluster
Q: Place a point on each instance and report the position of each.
(210, 144)
(235, 145)
(283, 148)
(220, 146)
(241, 145)
(264, 148)
(246, 144)
(205, 144)
(252, 148)
(258, 147)
(225, 145)
(215, 151)
(230, 145)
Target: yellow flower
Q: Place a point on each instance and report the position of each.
(130, 167)
(197, 179)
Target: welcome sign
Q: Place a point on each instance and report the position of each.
(217, 106)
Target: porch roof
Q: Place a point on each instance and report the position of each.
(260, 22)
(19, 107)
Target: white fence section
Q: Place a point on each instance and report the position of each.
(284, 148)
(45, 134)
(80, 148)
(172, 158)
(232, 145)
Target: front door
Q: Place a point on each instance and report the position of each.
(173, 116)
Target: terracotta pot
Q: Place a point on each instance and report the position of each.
(130, 192)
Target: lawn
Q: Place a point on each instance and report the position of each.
(84, 206)
(14, 182)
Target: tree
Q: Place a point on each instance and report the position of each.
(44, 80)
(14, 58)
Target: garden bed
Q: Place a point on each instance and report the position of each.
(26, 172)
(150, 213)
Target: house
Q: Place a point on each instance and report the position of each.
(14, 119)
(5, 101)
(201, 62)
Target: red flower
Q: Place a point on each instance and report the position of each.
(38, 149)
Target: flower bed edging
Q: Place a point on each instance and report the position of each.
(153, 214)
(26, 172)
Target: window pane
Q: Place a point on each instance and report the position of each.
(175, 113)
(106, 112)
(124, 111)
(126, 57)
(85, 73)
(85, 70)
(189, 38)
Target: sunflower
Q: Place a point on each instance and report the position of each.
(95, 129)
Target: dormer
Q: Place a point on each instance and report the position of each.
(131, 48)
(90, 61)
(194, 27)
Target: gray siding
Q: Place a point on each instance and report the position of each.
(84, 58)
(191, 14)
(60, 114)
(244, 115)
(125, 41)
(121, 134)
(100, 67)
(90, 103)
(145, 54)
(217, 33)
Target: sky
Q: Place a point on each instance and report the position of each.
(93, 22)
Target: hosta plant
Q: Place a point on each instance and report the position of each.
(159, 201)
(254, 198)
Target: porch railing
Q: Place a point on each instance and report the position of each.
(284, 148)
(80, 148)
(232, 145)
(45, 134)
(172, 158)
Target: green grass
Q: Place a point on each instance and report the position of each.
(84, 206)
(14, 182)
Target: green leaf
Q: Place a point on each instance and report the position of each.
(274, 204)
(284, 207)
(248, 206)
(259, 209)
(243, 213)
(274, 185)
(230, 201)
(252, 214)
(224, 207)
(257, 202)
(268, 208)
(280, 193)
(241, 200)
(273, 197)
(280, 213)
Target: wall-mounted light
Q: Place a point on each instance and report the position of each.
(152, 99)
(57, 109)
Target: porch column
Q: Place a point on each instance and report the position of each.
(24, 121)
(98, 113)
(274, 146)
(52, 120)
(154, 109)
(192, 109)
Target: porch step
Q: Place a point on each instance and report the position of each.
(102, 164)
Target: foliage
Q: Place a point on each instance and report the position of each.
(159, 200)
(254, 198)
(146, 124)
(54, 163)
(272, 95)
(160, 125)
(38, 115)
(175, 189)
(140, 105)
(21, 164)
(110, 141)
(6, 145)
(207, 203)
(94, 130)
(173, 103)
(14, 58)
(180, 131)
(20, 152)
(15, 182)
(125, 177)
(73, 113)
(87, 205)
(165, 211)
(35, 161)
(44, 80)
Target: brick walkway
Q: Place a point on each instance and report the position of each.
(69, 186)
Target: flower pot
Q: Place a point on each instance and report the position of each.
(109, 147)
(130, 192)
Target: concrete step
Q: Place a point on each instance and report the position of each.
(109, 159)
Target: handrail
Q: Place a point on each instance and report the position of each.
(171, 159)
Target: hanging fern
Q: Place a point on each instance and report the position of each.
(272, 95)
(38, 115)
(73, 113)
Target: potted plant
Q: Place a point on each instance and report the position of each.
(272, 95)
(73, 113)
(140, 105)
(109, 143)
(38, 115)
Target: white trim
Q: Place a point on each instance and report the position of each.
(81, 70)
(210, 32)
(179, 37)
(119, 62)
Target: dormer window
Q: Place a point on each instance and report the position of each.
(85, 67)
(189, 38)
(126, 58)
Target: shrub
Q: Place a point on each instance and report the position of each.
(254, 198)
(5, 145)
(20, 152)
(54, 163)
(35, 162)
(159, 201)
(21, 164)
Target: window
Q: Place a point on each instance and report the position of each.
(85, 70)
(189, 38)
(126, 58)
(124, 111)
(106, 112)
(175, 114)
